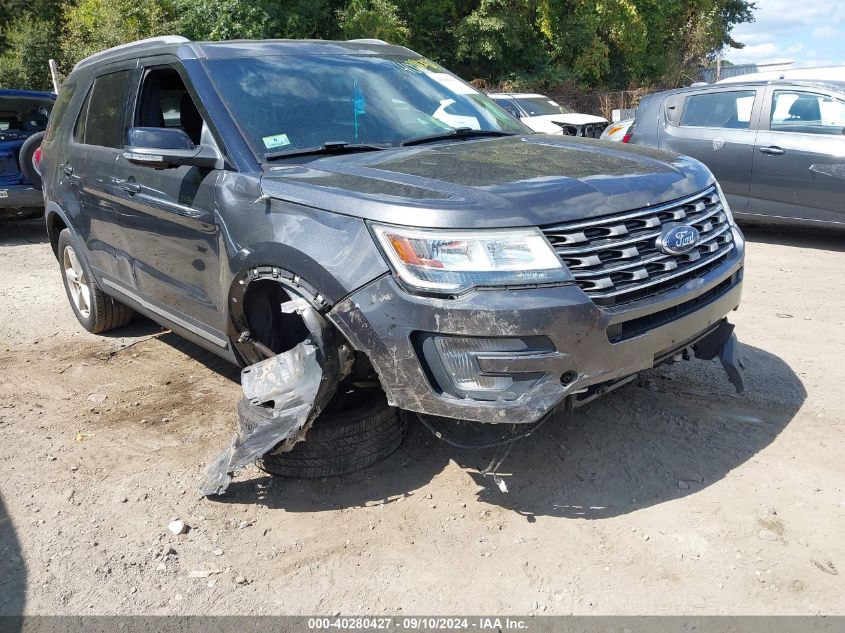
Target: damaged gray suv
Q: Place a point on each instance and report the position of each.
(365, 233)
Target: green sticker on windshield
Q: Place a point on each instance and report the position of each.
(277, 140)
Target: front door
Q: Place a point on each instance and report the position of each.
(169, 216)
(799, 162)
(718, 128)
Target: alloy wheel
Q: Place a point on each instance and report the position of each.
(77, 282)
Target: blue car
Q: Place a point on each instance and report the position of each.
(23, 119)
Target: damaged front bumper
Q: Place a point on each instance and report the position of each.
(291, 388)
(511, 356)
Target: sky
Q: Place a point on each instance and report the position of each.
(808, 32)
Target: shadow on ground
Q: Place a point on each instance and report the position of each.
(821, 239)
(12, 570)
(15, 232)
(676, 430)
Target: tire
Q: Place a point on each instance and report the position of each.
(25, 159)
(96, 311)
(356, 430)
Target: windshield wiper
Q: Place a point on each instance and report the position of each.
(331, 147)
(461, 132)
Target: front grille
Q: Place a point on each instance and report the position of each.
(615, 259)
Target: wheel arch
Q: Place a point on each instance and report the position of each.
(256, 319)
(56, 221)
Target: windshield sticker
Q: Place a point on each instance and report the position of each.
(276, 140)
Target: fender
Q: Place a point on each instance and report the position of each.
(51, 211)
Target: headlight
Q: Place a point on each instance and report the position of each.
(450, 262)
(725, 206)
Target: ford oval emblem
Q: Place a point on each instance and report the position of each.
(678, 240)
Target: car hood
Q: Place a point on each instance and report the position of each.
(524, 180)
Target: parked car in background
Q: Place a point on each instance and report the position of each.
(617, 131)
(544, 115)
(23, 119)
(823, 73)
(777, 148)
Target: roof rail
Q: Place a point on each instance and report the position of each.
(367, 40)
(164, 39)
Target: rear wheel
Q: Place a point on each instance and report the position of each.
(356, 430)
(95, 310)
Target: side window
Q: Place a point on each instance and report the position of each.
(81, 120)
(102, 117)
(510, 106)
(59, 109)
(166, 102)
(730, 110)
(807, 113)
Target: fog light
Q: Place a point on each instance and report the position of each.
(459, 358)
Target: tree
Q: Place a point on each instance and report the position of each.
(502, 38)
(93, 25)
(255, 19)
(373, 18)
(531, 44)
(30, 43)
(224, 20)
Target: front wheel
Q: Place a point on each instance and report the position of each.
(95, 310)
(357, 429)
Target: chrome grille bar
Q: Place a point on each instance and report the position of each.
(615, 259)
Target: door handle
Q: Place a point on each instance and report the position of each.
(129, 186)
(68, 169)
(772, 150)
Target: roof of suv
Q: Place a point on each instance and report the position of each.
(186, 49)
(806, 83)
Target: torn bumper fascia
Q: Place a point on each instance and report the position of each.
(384, 321)
(722, 342)
(299, 383)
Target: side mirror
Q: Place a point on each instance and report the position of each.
(162, 148)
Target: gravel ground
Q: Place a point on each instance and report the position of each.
(672, 495)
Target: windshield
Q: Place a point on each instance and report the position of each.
(298, 102)
(540, 106)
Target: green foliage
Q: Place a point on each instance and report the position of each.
(201, 20)
(30, 43)
(501, 37)
(524, 44)
(373, 18)
(93, 25)
(224, 20)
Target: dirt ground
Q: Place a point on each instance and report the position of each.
(671, 495)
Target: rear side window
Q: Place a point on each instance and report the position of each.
(102, 119)
(59, 109)
(731, 110)
(807, 113)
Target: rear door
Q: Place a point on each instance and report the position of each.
(89, 168)
(718, 127)
(799, 162)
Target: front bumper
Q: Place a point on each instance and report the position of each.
(589, 345)
(14, 197)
